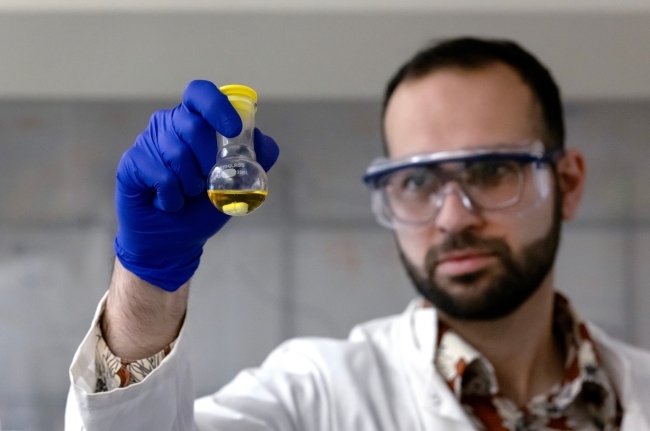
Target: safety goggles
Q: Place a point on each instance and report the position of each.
(410, 191)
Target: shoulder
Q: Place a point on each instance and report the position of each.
(636, 355)
(616, 348)
(345, 379)
(369, 344)
(363, 336)
(389, 345)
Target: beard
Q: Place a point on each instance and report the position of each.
(495, 292)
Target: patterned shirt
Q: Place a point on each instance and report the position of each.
(584, 400)
(113, 372)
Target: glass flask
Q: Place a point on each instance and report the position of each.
(237, 184)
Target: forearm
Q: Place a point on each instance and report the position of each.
(141, 319)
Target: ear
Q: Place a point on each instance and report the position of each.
(571, 178)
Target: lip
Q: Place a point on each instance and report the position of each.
(463, 262)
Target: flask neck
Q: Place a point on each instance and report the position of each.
(242, 144)
(234, 149)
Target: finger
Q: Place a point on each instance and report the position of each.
(142, 172)
(205, 99)
(198, 134)
(266, 150)
(178, 156)
(169, 196)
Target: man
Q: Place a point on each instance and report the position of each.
(476, 186)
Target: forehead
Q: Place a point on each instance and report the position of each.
(453, 109)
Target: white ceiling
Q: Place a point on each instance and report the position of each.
(328, 5)
(291, 49)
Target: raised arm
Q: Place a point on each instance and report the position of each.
(164, 219)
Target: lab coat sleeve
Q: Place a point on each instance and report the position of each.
(286, 392)
(162, 401)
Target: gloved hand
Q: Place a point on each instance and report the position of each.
(163, 211)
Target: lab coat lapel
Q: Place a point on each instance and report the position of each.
(440, 408)
(629, 377)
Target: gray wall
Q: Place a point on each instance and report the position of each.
(311, 261)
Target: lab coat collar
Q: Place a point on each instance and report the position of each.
(418, 334)
(627, 367)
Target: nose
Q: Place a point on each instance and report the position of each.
(456, 212)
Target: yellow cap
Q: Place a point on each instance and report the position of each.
(239, 90)
(238, 95)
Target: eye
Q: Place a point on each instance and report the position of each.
(417, 180)
(490, 173)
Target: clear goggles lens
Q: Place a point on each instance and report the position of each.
(412, 193)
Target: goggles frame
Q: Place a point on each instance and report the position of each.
(533, 152)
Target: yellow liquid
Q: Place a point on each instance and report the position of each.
(237, 202)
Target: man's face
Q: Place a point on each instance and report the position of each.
(473, 264)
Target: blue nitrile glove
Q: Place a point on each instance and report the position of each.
(163, 211)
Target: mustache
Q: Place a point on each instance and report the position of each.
(467, 240)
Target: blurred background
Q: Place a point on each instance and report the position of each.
(79, 80)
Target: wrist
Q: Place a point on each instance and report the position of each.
(167, 270)
(140, 319)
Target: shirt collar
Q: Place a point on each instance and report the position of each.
(468, 372)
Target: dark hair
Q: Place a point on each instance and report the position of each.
(472, 53)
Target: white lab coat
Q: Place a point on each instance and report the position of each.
(380, 378)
